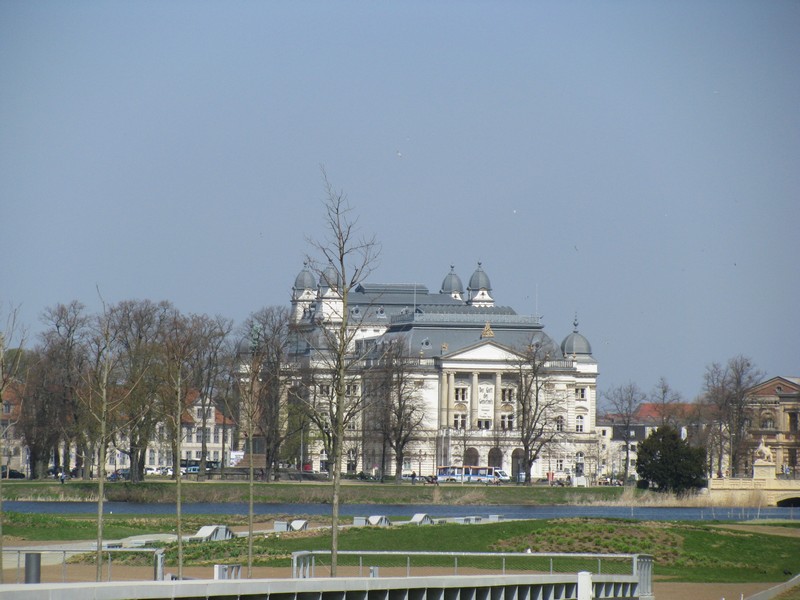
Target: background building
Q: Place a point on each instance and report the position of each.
(774, 419)
(463, 353)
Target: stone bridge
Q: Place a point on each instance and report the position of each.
(763, 489)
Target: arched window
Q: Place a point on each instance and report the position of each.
(767, 422)
(579, 423)
(495, 457)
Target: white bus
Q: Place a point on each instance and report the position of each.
(469, 474)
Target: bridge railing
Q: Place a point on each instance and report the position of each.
(317, 563)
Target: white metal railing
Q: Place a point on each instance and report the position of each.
(62, 554)
(637, 567)
(565, 586)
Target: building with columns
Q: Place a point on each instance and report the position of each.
(465, 351)
(774, 421)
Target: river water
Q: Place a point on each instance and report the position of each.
(407, 510)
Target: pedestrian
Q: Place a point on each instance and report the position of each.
(63, 476)
(413, 477)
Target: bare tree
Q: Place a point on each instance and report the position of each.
(12, 341)
(40, 416)
(625, 401)
(262, 384)
(211, 334)
(179, 348)
(668, 402)
(395, 400)
(347, 259)
(64, 341)
(726, 388)
(139, 325)
(101, 397)
(537, 405)
(704, 429)
(269, 339)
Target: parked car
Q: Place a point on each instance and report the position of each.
(12, 473)
(193, 470)
(150, 471)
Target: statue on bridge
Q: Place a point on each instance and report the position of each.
(763, 452)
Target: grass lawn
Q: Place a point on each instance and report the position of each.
(682, 551)
(163, 491)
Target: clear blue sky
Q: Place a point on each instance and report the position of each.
(635, 162)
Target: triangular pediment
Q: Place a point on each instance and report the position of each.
(775, 386)
(486, 351)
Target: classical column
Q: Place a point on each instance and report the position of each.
(498, 397)
(444, 400)
(473, 401)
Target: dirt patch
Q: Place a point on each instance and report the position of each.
(793, 532)
(707, 591)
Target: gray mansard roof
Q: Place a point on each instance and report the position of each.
(437, 324)
(439, 332)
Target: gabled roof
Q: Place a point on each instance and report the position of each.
(776, 386)
(651, 412)
(192, 400)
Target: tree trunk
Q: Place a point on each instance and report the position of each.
(337, 482)
(250, 500)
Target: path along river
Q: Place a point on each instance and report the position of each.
(407, 510)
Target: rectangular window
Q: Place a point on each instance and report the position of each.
(217, 431)
(580, 393)
(216, 454)
(324, 390)
(459, 421)
(460, 394)
(198, 454)
(152, 457)
(507, 422)
(507, 395)
(560, 464)
(484, 423)
(6, 408)
(633, 447)
(793, 422)
(351, 390)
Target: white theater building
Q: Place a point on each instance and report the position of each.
(465, 351)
